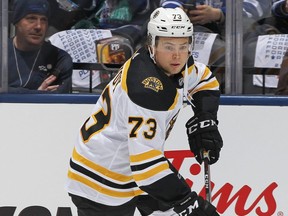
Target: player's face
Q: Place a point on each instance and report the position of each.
(171, 54)
(31, 31)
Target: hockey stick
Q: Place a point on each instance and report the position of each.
(207, 175)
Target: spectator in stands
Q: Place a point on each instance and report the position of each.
(279, 17)
(70, 12)
(263, 25)
(280, 14)
(36, 66)
(127, 21)
(127, 18)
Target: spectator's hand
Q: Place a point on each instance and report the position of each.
(204, 14)
(45, 86)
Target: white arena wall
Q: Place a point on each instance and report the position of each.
(38, 132)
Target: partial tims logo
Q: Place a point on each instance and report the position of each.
(153, 83)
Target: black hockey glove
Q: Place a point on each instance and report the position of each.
(203, 134)
(195, 205)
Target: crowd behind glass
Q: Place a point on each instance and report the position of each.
(270, 18)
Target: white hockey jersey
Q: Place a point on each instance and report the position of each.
(119, 153)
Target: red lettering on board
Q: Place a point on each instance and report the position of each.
(224, 194)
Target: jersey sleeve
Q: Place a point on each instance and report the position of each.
(203, 89)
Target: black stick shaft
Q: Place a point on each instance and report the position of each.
(207, 176)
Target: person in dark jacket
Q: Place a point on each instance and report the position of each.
(36, 66)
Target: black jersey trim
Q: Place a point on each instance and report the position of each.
(100, 179)
(146, 165)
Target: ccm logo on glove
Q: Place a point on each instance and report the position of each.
(194, 205)
(201, 125)
(189, 209)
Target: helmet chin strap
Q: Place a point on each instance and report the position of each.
(152, 53)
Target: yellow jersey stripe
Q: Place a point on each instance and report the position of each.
(126, 66)
(175, 102)
(206, 74)
(145, 156)
(209, 86)
(152, 172)
(101, 189)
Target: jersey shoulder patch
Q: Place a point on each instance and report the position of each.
(147, 86)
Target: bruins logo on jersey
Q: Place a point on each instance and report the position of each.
(153, 83)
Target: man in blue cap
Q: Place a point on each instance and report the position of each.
(35, 65)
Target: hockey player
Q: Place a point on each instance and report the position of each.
(118, 161)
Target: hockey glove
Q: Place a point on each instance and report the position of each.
(195, 205)
(203, 134)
